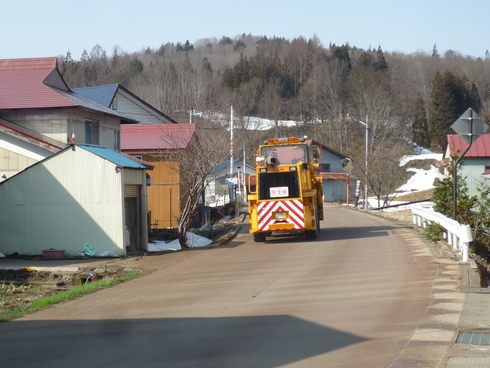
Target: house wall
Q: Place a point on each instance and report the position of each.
(132, 109)
(473, 168)
(50, 122)
(64, 202)
(59, 124)
(164, 193)
(108, 125)
(327, 157)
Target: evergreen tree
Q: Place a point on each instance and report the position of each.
(188, 46)
(474, 100)
(366, 60)
(435, 53)
(443, 198)
(342, 54)
(225, 41)
(135, 66)
(451, 97)
(206, 66)
(380, 64)
(420, 126)
(240, 45)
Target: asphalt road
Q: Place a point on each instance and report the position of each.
(367, 293)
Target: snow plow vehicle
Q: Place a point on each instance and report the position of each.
(285, 193)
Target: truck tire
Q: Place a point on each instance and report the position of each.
(311, 234)
(259, 237)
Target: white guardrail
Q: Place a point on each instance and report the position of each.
(458, 236)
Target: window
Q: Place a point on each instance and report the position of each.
(114, 103)
(92, 132)
(487, 170)
(324, 167)
(117, 141)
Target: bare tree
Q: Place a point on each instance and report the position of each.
(207, 148)
(385, 173)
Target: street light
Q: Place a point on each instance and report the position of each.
(366, 204)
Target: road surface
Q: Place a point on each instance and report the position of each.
(367, 293)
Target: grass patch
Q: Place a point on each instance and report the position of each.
(421, 164)
(63, 296)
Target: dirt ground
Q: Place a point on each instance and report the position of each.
(21, 287)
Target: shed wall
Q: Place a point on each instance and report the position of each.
(63, 203)
(163, 194)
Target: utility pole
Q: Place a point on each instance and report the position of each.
(366, 204)
(231, 142)
(244, 175)
(231, 186)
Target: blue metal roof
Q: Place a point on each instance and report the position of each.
(112, 156)
(224, 165)
(100, 94)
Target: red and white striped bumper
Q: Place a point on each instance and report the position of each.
(295, 215)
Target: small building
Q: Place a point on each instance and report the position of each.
(475, 163)
(336, 182)
(156, 143)
(217, 192)
(80, 195)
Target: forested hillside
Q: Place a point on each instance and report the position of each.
(327, 90)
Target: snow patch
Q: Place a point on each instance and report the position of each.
(193, 241)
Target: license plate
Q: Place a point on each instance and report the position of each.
(277, 192)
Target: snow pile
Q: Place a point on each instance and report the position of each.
(427, 155)
(193, 241)
(423, 179)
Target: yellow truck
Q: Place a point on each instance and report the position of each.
(285, 193)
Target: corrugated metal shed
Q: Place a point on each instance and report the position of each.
(113, 157)
(155, 137)
(71, 198)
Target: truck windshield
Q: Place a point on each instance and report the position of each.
(286, 155)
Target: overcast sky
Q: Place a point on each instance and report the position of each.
(52, 27)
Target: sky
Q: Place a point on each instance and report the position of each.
(54, 27)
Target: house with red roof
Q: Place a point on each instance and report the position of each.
(154, 143)
(40, 115)
(53, 190)
(475, 163)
